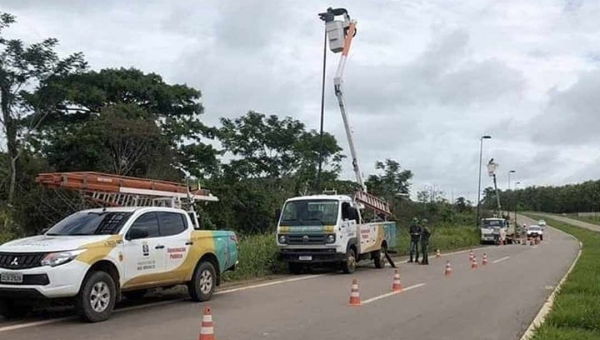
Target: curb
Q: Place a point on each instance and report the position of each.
(547, 306)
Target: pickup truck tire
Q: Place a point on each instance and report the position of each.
(349, 266)
(135, 294)
(97, 297)
(295, 268)
(203, 283)
(11, 310)
(379, 258)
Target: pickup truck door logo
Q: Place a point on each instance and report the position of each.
(145, 249)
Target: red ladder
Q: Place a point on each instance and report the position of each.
(373, 202)
(113, 190)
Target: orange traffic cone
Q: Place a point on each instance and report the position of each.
(474, 263)
(354, 294)
(396, 286)
(438, 254)
(484, 262)
(448, 270)
(207, 330)
(471, 256)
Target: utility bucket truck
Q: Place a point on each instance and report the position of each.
(330, 228)
(491, 227)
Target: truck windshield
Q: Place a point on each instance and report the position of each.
(90, 223)
(310, 212)
(491, 223)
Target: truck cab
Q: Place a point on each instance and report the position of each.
(329, 229)
(490, 229)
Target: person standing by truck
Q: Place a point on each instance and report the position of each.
(425, 234)
(415, 238)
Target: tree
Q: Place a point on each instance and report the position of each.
(22, 68)
(271, 147)
(391, 182)
(463, 205)
(128, 122)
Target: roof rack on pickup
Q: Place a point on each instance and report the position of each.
(113, 190)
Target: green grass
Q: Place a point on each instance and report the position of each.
(444, 238)
(576, 310)
(588, 219)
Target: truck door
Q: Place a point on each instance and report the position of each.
(175, 233)
(143, 258)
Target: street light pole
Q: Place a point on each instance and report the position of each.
(511, 171)
(479, 186)
(516, 203)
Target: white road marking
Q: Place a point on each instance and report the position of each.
(269, 284)
(227, 291)
(33, 324)
(391, 294)
(502, 259)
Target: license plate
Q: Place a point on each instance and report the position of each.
(11, 277)
(305, 258)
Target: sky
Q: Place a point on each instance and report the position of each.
(424, 81)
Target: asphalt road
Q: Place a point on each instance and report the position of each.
(497, 301)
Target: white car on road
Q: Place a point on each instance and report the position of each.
(534, 231)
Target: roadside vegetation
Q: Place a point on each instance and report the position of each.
(576, 310)
(594, 219)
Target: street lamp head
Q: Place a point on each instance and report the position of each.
(486, 137)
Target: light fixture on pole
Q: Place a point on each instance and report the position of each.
(479, 186)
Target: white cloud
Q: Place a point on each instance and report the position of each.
(424, 81)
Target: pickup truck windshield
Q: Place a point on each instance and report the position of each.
(310, 212)
(90, 223)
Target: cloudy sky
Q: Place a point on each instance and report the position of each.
(425, 78)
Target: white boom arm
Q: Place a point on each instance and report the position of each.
(340, 35)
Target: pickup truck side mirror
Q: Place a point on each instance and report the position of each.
(277, 215)
(136, 233)
(44, 230)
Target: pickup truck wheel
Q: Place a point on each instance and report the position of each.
(203, 283)
(11, 310)
(96, 300)
(349, 266)
(379, 258)
(295, 268)
(135, 294)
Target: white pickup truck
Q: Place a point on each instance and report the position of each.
(94, 257)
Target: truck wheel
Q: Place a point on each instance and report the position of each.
(96, 300)
(379, 258)
(349, 266)
(203, 283)
(295, 268)
(541, 237)
(11, 310)
(135, 294)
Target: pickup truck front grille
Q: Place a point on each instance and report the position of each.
(308, 239)
(21, 260)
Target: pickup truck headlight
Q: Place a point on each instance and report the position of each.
(282, 239)
(331, 238)
(56, 259)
